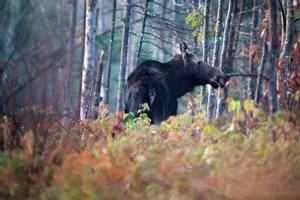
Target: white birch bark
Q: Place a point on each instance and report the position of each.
(89, 58)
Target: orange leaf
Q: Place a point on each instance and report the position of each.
(294, 79)
(296, 50)
(119, 114)
(28, 145)
(232, 82)
(282, 63)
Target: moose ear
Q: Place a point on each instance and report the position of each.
(183, 47)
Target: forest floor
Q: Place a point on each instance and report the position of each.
(245, 155)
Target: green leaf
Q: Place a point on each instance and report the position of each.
(195, 19)
(231, 135)
(210, 130)
(233, 105)
(249, 105)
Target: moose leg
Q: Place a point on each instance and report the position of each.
(157, 115)
(159, 110)
(173, 107)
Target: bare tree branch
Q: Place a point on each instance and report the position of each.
(33, 78)
(245, 75)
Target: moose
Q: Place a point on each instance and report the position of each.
(161, 84)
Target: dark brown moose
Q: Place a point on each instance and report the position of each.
(161, 84)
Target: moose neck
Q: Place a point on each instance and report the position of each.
(179, 82)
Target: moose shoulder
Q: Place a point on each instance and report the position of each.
(169, 80)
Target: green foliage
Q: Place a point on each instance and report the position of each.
(195, 19)
(142, 119)
(249, 105)
(233, 105)
(245, 155)
(210, 130)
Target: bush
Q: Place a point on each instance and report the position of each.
(247, 155)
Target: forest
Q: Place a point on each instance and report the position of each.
(149, 99)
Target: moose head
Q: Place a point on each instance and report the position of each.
(199, 71)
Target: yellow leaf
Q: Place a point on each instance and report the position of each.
(249, 105)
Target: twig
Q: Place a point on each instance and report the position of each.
(245, 75)
(250, 10)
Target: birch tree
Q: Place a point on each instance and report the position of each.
(284, 60)
(283, 9)
(218, 39)
(78, 102)
(97, 91)
(89, 58)
(124, 51)
(261, 70)
(205, 48)
(221, 99)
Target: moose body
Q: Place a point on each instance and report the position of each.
(161, 84)
(148, 85)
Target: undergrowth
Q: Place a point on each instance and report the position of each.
(245, 155)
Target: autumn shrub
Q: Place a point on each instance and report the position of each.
(246, 154)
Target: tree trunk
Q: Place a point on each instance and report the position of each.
(211, 94)
(41, 91)
(253, 36)
(78, 105)
(232, 37)
(274, 47)
(89, 58)
(205, 49)
(30, 91)
(223, 62)
(70, 61)
(284, 60)
(161, 32)
(97, 92)
(261, 71)
(109, 61)
(206, 30)
(131, 56)
(143, 31)
(283, 9)
(238, 24)
(123, 61)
